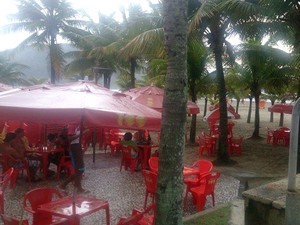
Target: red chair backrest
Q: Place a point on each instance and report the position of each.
(7, 220)
(211, 181)
(203, 165)
(5, 178)
(150, 179)
(153, 163)
(126, 151)
(40, 196)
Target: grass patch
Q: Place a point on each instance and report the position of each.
(217, 217)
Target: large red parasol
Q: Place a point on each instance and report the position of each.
(152, 97)
(73, 102)
(281, 108)
(214, 113)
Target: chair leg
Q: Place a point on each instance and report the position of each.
(146, 198)
(185, 198)
(213, 199)
(1, 202)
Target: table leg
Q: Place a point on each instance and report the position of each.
(45, 165)
(107, 215)
(147, 152)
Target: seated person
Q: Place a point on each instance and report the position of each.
(6, 148)
(63, 141)
(20, 145)
(52, 143)
(127, 141)
(142, 137)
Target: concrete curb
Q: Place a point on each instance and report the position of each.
(237, 212)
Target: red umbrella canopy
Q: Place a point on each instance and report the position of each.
(214, 113)
(152, 97)
(281, 108)
(73, 102)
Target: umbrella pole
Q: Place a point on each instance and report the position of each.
(94, 145)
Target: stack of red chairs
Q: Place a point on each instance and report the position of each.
(202, 168)
(150, 179)
(205, 188)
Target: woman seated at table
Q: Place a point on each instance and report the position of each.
(127, 141)
(142, 137)
(52, 143)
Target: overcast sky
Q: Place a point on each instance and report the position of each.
(92, 7)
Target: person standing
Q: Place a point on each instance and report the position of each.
(76, 154)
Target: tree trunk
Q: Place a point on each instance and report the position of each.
(133, 65)
(238, 100)
(217, 46)
(205, 106)
(52, 60)
(250, 110)
(256, 118)
(272, 114)
(170, 182)
(193, 129)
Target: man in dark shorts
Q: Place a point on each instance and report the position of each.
(77, 162)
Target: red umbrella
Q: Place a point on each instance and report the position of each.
(152, 97)
(214, 113)
(96, 105)
(281, 108)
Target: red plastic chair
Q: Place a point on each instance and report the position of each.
(112, 140)
(236, 145)
(8, 220)
(153, 164)
(128, 161)
(138, 217)
(150, 179)
(204, 189)
(204, 167)
(4, 180)
(205, 145)
(38, 196)
(278, 137)
(65, 163)
(19, 166)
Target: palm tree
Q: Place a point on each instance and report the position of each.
(170, 186)
(45, 21)
(263, 64)
(11, 72)
(91, 48)
(210, 19)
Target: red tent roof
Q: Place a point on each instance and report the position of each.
(72, 102)
(152, 97)
(281, 108)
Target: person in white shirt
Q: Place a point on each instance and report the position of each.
(77, 162)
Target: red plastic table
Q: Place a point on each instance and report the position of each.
(74, 209)
(45, 157)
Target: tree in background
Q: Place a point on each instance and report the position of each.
(45, 20)
(11, 72)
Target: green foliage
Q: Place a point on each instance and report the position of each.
(217, 217)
